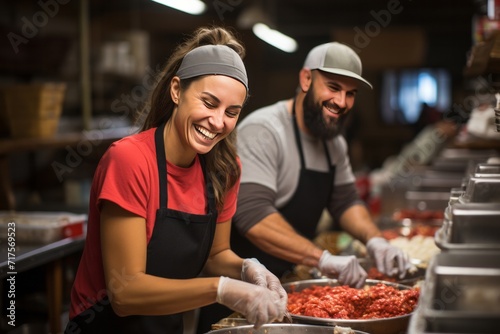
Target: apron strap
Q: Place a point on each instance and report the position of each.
(297, 136)
(161, 161)
(210, 193)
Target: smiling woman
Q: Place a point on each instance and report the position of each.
(208, 108)
(161, 206)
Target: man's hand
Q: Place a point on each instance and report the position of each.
(390, 260)
(346, 268)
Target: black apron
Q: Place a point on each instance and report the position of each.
(178, 249)
(303, 211)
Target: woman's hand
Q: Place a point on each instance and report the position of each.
(258, 304)
(252, 271)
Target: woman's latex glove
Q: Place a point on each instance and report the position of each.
(347, 269)
(390, 260)
(258, 304)
(252, 271)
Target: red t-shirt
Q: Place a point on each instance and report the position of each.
(128, 176)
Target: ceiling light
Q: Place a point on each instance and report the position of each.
(254, 17)
(194, 7)
(274, 37)
(491, 9)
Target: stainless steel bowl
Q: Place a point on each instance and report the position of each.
(393, 325)
(280, 329)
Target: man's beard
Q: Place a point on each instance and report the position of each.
(315, 122)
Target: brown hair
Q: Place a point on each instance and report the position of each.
(221, 164)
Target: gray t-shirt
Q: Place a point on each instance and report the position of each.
(269, 156)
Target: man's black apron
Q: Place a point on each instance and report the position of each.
(303, 211)
(178, 249)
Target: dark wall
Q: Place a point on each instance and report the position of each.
(52, 52)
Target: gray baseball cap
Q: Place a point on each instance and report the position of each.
(336, 58)
(213, 60)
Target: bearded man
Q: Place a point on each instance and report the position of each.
(295, 165)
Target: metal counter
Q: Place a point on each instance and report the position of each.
(28, 256)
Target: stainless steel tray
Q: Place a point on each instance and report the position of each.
(393, 325)
(421, 325)
(429, 200)
(471, 226)
(486, 168)
(461, 293)
(481, 190)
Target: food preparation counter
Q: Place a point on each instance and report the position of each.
(28, 256)
(51, 255)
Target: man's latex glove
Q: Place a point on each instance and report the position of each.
(258, 304)
(390, 260)
(252, 271)
(346, 267)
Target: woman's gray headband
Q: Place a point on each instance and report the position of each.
(215, 60)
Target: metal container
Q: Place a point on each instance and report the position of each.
(455, 194)
(393, 325)
(461, 294)
(459, 159)
(428, 200)
(497, 117)
(284, 329)
(467, 154)
(487, 169)
(470, 226)
(481, 190)
(420, 325)
(481, 169)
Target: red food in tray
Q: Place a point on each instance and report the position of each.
(343, 302)
(410, 231)
(373, 273)
(418, 214)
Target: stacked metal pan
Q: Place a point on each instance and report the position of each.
(461, 294)
(497, 113)
(497, 119)
(461, 291)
